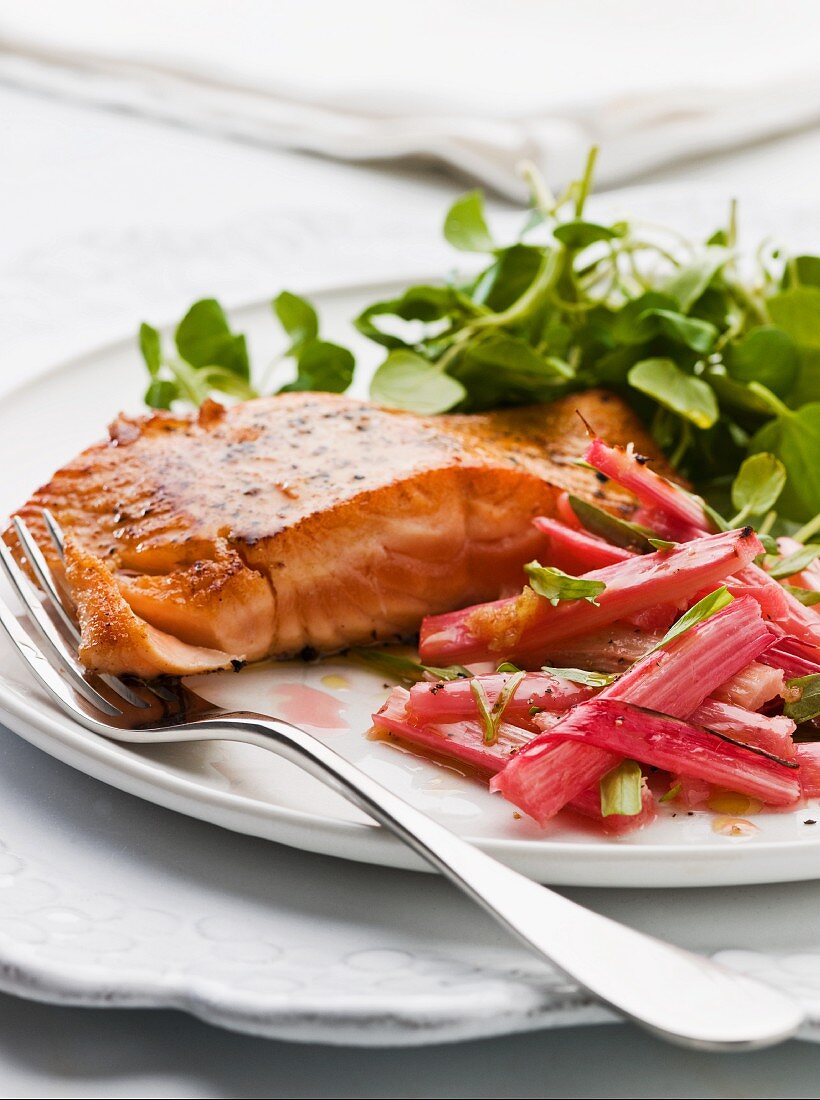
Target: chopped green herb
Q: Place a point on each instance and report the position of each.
(622, 790)
(507, 666)
(808, 705)
(581, 676)
(629, 536)
(555, 585)
(698, 613)
(807, 596)
(794, 563)
(671, 794)
(405, 670)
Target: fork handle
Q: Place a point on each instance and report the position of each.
(679, 995)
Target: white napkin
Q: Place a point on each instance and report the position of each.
(476, 87)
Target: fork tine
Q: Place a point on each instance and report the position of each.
(117, 685)
(41, 571)
(44, 672)
(55, 530)
(49, 634)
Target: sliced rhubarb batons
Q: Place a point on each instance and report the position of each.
(464, 742)
(521, 628)
(676, 745)
(454, 701)
(676, 680)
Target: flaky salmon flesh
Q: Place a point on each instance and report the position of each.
(306, 523)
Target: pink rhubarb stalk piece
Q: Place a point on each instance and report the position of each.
(588, 804)
(777, 605)
(791, 657)
(676, 679)
(773, 734)
(577, 551)
(453, 701)
(808, 757)
(750, 688)
(675, 745)
(521, 629)
(630, 471)
(464, 743)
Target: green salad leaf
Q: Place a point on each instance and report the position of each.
(405, 669)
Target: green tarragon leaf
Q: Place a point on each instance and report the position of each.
(555, 585)
(701, 611)
(619, 532)
(622, 790)
(794, 563)
(808, 705)
(404, 669)
(581, 676)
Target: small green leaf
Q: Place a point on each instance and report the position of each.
(794, 438)
(698, 335)
(555, 585)
(204, 338)
(807, 596)
(795, 563)
(689, 397)
(758, 484)
(797, 312)
(662, 544)
(701, 611)
(672, 793)
(581, 676)
(297, 317)
(405, 670)
(802, 271)
(426, 304)
(406, 381)
(581, 234)
(161, 393)
(766, 354)
(323, 367)
(465, 226)
(622, 790)
(619, 532)
(151, 348)
(688, 284)
(507, 666)
(485, 715)
(808, 705)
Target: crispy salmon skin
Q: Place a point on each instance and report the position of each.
(306, 522)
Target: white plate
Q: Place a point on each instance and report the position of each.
(46, 421)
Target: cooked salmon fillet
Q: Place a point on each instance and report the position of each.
(306, 522)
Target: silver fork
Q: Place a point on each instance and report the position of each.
(680, 996)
